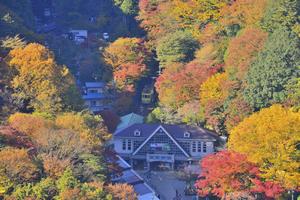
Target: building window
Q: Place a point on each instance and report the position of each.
(137, 133)
(199, 147)
(124, 145)
(204, 147)
(93, 91)
(186, 134)
(193, 146)
(129, 145)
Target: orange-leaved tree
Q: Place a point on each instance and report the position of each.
(121, 191)
(243, 49)
(180, 84)
(127, 57)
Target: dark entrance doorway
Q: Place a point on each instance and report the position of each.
(160, 166)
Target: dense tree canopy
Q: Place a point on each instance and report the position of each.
(221, 63)
(18, 166)
(46, 86)
(243, 49)
(194, 14)
(179, 83)
(269, 138)
(176, 47)
(273, 68)
(129, 7)
(67, 152)
(230, 175)
(156, 19)
(281, 13)
(128, 58)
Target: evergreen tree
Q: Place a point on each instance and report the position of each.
(274, 67)
(176, 47)
(282, 13)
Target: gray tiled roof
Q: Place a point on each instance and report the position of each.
(176, 131)
(141, 189)
(94, 84)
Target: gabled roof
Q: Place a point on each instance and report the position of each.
(128, 120)
(166, 132)
(176, 131)
(94, 84)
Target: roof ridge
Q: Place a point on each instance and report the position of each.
(131, 115)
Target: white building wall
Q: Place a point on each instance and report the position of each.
(209, 148)
(201, 153)
(118, 145)
(95, 90)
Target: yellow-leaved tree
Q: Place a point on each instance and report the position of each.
(270, 138)
(212, 95)
(39, 82)
(89, 127)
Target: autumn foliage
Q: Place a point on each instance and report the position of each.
(14, 138)
(230, 175)
(122, 191)
(243, 12)
(39, 80)
(243, 49)
(269, 138)
(179, 83)
(127, 58)
(18, 166)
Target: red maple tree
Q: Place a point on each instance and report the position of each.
(229, 173)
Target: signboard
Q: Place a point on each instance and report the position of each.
(160, 157)
(160, 147)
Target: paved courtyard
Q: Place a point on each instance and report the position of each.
(166, 184)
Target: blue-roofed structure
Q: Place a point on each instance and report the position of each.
(128, 120)
(96, 97)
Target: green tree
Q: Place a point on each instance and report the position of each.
(67, 180)
(43, 190)
(275, 65)
(293, 98)
(176, 47)
(281, 13)
(128, 7)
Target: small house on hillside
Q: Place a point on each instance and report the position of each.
(96, 97)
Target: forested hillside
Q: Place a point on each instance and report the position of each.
(231, 66)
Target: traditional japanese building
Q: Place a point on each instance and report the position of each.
(149, 145)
